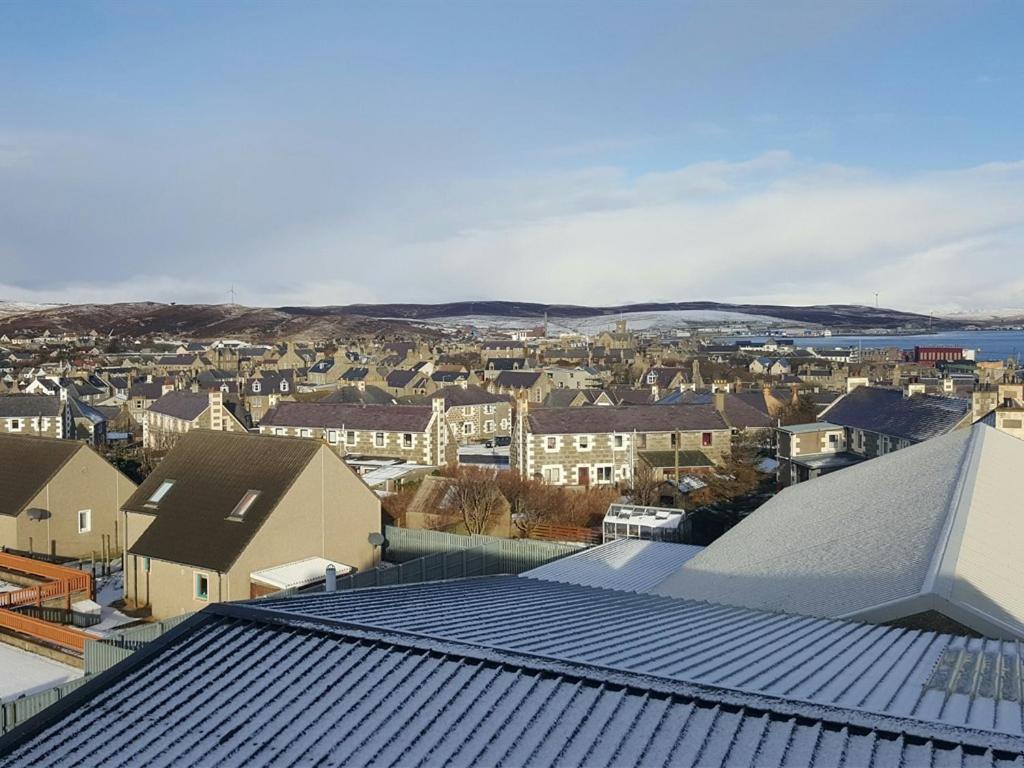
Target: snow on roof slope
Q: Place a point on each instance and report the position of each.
(630, 565)
(936, 526)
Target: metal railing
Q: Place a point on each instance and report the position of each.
(19, 710)
(503, 555)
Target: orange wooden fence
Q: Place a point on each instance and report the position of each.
(60, 582)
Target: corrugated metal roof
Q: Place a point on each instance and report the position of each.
(236, 690)
(849, 664)
(629, 565)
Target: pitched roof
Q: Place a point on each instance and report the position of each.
(369, 395)
(517, 379)
(624, 418)
(469, 395)
(936, 526)
(868, 668)
(181, 405)
(889, 412)
(27, 464)
(400, 378)
(739, 412)
(211, 471)
(21, 405)
(389, 418)
(277, 689)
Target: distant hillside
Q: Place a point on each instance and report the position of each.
(224, 320)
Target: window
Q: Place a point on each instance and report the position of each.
(332, 436)
(467, 411)
(256, 387)
(378, 439)
(551, 444)
(159, 493)
(705, 439)
(553, 475)
(674, 441)
(350, 438)
(583, 442)
(84, 520)
(488, 426)
(304, 432)
(15, 425)
(468, 428)
(284, 385)
(238, 513)
(280, 431)
(604, 474)
(407, 440)
(833, 439)
(489, 408)
(202, 587)
(146, 563)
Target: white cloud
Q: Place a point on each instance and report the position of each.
(772, 228)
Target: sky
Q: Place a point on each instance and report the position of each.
(795, 152)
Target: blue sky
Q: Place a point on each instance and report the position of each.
(799, 152)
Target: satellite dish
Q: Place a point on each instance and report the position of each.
(34, 513)
(376, 539)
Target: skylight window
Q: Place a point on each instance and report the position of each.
(238, 513)
(159, 493)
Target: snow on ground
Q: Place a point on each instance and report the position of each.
(8, 587)
(22, 672)
(664, 320)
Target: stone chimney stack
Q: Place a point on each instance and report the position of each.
(720, 402)
(655, 392)
(216, 400)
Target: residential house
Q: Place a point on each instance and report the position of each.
(41, 415)
(414, 433)
(474, 414)
(58, 497)
(179, 412)
(266, 389)
(533, 385)
(601, 446)
(142, 394)
(807, 451)
(324, 372)
(620, 338)
(501, 348)
(222, 506)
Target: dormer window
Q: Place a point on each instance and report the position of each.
(256, 387)
(238, 513)
(284, 385)
(159, 493)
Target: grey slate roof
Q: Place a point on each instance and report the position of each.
(27, 406)
(181, 405)
(888, 412)
(624, 418)
(517, 379)
(389, 418)
(241, 685)
(738, 412)
(469, 395)
(211, 472)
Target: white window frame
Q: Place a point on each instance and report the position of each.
(195, 586)
(580, 439)
(553, 469)
(353, 434)
(88, 520)
(380, 440)
(408, 440)
(468, 428)
(618, 442)
(332, 436)
(548, 448)
(14, 425)
(489, 408)
(256, 387)
(608, 469)
(280, 431)
(305, 432)
(488, 426)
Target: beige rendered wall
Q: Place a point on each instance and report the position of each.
(86, 481)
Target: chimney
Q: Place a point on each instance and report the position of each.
(794, 394)
(720, 402)
(655, 392)
(331, 582)
(464, 383)
(216, 399)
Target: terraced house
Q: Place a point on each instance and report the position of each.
(176, 413)
(414, 433)
(39, 415)
(474, 414)
(602, 446)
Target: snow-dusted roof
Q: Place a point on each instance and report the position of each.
(647, 517)
(850, 665)
(298, 574)
(934, 527)
(630, 565)
(242, 686)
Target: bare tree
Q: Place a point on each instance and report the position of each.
(645, 486)
(527, 500)
(474, 492)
